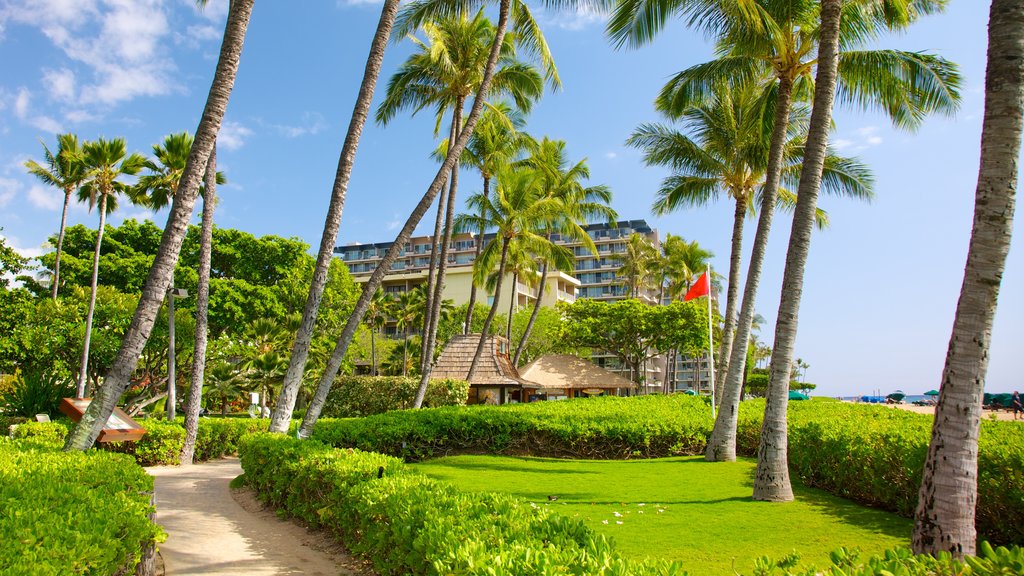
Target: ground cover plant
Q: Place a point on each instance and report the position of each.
(682, 509)
(72, 513)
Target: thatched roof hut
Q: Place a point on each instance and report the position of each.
(494, 371)
(571, 373)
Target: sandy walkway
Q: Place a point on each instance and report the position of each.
(212, 531)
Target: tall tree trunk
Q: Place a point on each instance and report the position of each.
(83, 375)
(195, 391)
(434, 310)
(338, 355)
(732, 293)
(944, 520)
(172, 371)
(373, 353)
(533, 315)
(722, 442)
(405, 354)
(84, 434)
(432, 268)
(494, 309)
(771, 482)
(479, 246)
(60, 241)
(304, 336)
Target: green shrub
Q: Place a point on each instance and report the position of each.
(35, 392)
(72, 513)
(410, 524)
(604, 427)
(354, 396)
(52, 432)
(989, 562)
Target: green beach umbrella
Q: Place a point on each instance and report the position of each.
(932, 393)
(794, 395)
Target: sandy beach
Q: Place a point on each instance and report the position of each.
(987, 414)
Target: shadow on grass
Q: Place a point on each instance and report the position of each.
(849, 512)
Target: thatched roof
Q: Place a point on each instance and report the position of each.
(572, 372)
(494, 368)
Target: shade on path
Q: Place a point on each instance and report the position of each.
(209, 532)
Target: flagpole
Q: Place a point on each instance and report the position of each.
(711, 345)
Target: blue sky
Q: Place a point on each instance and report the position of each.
(881, 284)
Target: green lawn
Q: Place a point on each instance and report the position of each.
(682, 508)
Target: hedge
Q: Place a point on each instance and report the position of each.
(161, 445)
(355, 396)
(988, 562)
(72, 513)
(407, 523)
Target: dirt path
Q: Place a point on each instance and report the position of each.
(212, 530)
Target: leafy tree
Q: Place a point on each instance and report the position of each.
(637, 264)
(64, 170)
(944, 520)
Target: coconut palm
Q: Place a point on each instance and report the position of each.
(105, 162)
(779, 39)
(65, 171)
(944, 520)
(223, 384)
(408, 310)
(559, 180)
(157, 188)
(445, 71)
(161, 274)
(496, 142)
(724, 153)
(522, 266)
(376, 315)
(637, 264)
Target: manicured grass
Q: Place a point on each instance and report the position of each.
(682, 508)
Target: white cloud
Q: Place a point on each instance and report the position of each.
(232, 135)
(862, 139)
(46, 124)
(22, 102)
(395, 222)
(45, 197)
(312, 123)
(60, 83)
(79, 116)
(8, 188)
(611, 155)
(23, 109)
(343, 3)
(571, 19)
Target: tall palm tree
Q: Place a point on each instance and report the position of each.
(195, 391)
(496, 142)
(106, 163)
(376, 315)
(779, 39)
(523, 269)
(519, 213)
(84, 434)
(408, 310)
(637, 264)
(549, 160)
(724, 153)
(65, 171)
(944, 520)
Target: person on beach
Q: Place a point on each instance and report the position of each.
(1015, 403)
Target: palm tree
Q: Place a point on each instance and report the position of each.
(84, 434)
(442, 74)
(675, 271)
(780, 39)
(376, 315)
(105, 163)
(224, 384)
(727, 156)
(65, 171)
(497, 141)
(408, 311)
(638, 262)
(523, 268)
(195, 392)
(944, 520)
(549, 160)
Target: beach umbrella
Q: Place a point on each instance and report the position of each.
(897, 396)
(932, 393)
(794, 395)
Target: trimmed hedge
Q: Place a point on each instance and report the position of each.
(901, 561)
(356, 396)
(604, 427)
(410, 524)
(72, 513)
(161, 445)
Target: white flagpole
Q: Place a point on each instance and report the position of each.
(711, 344)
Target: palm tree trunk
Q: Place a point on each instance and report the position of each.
(944, 520)
(479, 246)
(432, 268)
(60, 242)
(304, 336)
(533, 315)
(494, 309)
(732, 293)
(84, 373)
(405, 353)
(338, 355)
(722, 442)
(373, 353)
(84, 434)
(513, 299)
(195, 391)
(771, 482)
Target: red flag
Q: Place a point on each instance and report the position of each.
(699, 289)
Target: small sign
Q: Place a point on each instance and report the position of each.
(119, 428)
(42, 417)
